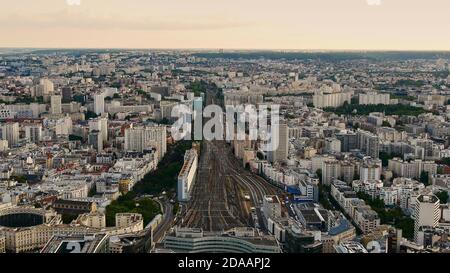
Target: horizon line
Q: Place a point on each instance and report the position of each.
(227, 49)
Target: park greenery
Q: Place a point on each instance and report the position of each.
(198, 87)
(403, 97)
(154, 183)
(355, 109)
(409, 83)
(164, 178)
(126, 204)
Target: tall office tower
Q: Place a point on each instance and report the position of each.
(427, 213)
(141, 138)
(331, 169)
(99, 103)
(95, 139)
(55, 104)
(10, 132)
(370, 170)
(100, 124)
(348, 141)
(368, 143)
(33, 133)
(281, 152)
(66, 95)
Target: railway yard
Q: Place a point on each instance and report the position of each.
(225, 195)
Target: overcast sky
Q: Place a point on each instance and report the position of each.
(240, 24)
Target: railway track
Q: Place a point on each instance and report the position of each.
(217, 201)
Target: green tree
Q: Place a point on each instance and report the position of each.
(19, 178)
(164, 178)
(89, 115)
(385, 157)
(386, 124)
(198, 87)
(79, 98)
(176, 208)
(68, 218)
(147, 207)
(401, 110)
(446, 161)
(75, 138)
(424, 178)
(319, 175)
(443, 196)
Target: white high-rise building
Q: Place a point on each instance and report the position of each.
(134, 139)
(427, 213)
(282, 139)
(33, 133)
(368, 143)
(101, 125)
(99, 103)
(45, 88)
(140, 138)
(10, 132)
(331, 169)
(370, 170)
(95, 139)
(55, 104)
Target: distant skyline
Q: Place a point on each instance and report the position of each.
(373, 25)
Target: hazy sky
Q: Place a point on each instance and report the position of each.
(244, 24)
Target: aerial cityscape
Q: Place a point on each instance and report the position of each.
(222, 150)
